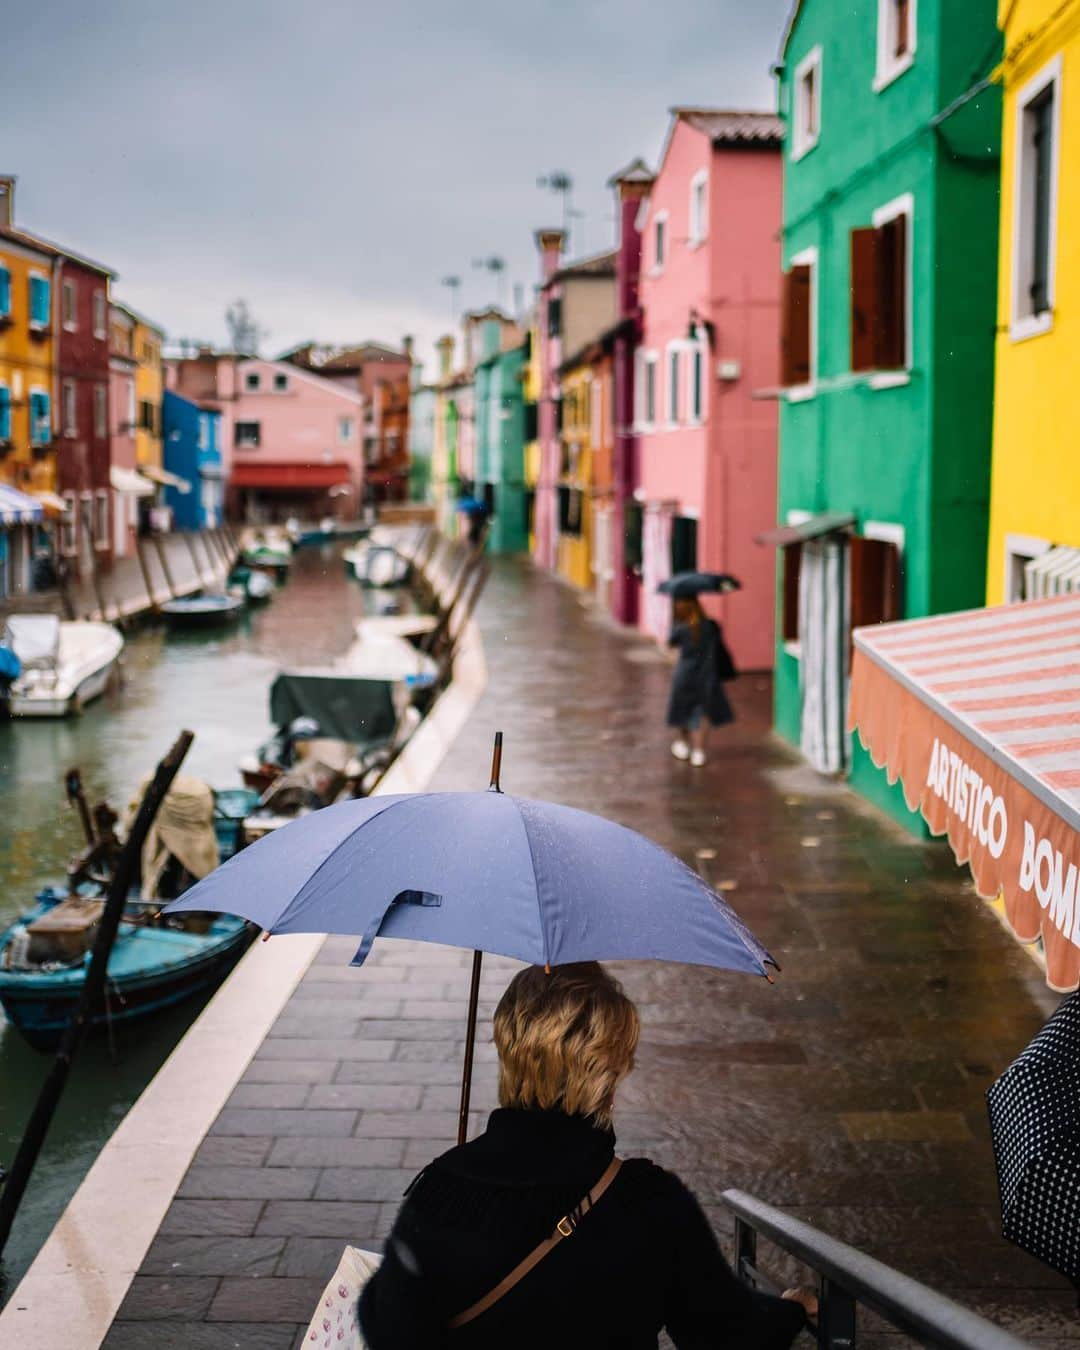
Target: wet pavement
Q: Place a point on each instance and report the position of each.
(850, 1093)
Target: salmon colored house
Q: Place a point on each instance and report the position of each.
(710, 294)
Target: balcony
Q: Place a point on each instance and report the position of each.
(39, 331)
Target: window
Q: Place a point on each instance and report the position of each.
(69, 413)
(806, 113)
(247, 435)
(673, 400)
(101, 410)
(874, 578)
(252, 381)
(101, 519)
(698, 356)
(659, 240)
(40, 417)
(204, 432)
(69, 526)
(645, 389)
(684, 544)
(345, 430)
(633, 536)
(596, 410)
(554, 316)
(895, 40)
(100, 315)
(570, 501)
(148, 416)
(699, 212)
(281, 383)
(5, 293)
(881, 293)
(1034, 243)
(530, 422)
(5, 414)
(130, 406)
(68, 313)
(798, 325)
(39, 301)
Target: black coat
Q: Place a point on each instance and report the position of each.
(644, 1259)
(697, 684)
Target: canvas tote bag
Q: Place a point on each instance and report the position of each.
(336, 1324)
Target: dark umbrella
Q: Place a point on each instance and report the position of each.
(533, 880)
(471, 506)
(683, 585)
(1035, 1125)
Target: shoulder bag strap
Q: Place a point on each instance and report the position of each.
(563, 1229)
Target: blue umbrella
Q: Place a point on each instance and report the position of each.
(534, 880)
(472, 506)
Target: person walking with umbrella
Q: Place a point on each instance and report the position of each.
(697, 699)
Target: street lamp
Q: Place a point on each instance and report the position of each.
(453, 284)
(496, 266)
(560, 182)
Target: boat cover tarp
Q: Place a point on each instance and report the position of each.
(182, 828)
(358, 711)
(34, 638)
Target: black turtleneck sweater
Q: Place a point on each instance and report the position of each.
(644, 1259)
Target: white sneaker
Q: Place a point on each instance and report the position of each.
(697, 759)
(680, 749)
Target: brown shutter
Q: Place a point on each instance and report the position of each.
(795, 331)
(903, 21)
(792, 566)
(864, 297)
(875, 581)
(890, 338)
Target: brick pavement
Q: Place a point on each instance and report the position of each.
(851, 1093)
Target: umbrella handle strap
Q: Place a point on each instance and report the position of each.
(426, 899)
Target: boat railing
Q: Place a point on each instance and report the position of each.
(850, 1279)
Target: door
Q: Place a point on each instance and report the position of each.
(603, 553)
(655, 568)
(824, 606)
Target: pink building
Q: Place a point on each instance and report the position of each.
(128, 488)
(290, 440)
(710, 292)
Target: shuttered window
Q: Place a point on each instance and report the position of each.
(875, 581)
(40, 418)
(5, 293)
(789, 619)
(39, 302)
(795, 338)
(5, 413)
(879, 291)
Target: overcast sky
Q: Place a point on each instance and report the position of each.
(332, 161)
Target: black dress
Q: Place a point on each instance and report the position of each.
(697, 684)
(643, 1260)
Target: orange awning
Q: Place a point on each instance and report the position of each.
(978, 715)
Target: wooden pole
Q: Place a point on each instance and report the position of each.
(93, 988)
(474, 986)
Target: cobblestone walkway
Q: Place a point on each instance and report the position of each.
(850, 1093)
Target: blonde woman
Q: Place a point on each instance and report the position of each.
(534, 1235)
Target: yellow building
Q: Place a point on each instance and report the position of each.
(146, 342)
(1034, 541)
(574, 560)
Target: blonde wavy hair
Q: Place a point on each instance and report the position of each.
(565, 1040)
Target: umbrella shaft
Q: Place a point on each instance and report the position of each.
(470, 1042)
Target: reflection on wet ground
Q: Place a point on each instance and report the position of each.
(215, 683)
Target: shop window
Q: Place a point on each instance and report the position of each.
(247, 435)
(881, 291)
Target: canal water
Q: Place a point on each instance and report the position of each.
(216, 683)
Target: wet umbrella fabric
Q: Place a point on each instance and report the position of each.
(543, 883)
(1035, 1126)
(472, 506)
(683, 585)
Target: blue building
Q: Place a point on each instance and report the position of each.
(192, 450)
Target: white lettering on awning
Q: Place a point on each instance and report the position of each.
(969, 798)
(1042, 869)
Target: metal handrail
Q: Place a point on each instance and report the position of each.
(849, 1278)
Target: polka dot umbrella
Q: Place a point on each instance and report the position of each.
(1035, 1125)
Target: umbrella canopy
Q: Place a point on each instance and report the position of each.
(683, 585)
(1035, 1125)
(472, 506)
(544, 883)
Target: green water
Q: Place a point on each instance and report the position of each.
(215, 683)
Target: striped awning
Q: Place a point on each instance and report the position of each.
(16, 508)
(978, 715)
(1056, 572)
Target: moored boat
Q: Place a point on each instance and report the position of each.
(62, 666)
(376, 564)
(202, 611)
(267, 549)
(255, 587)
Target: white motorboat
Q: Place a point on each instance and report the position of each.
(376, 564)
(376, 626)
(62, 665)
(388, 658)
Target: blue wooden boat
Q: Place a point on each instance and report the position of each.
(202, 611)
(155, 962)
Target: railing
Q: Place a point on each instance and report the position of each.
(849, 1278)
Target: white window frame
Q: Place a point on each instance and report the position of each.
(904, 205)
(101, 411)
(890, 66)
(101, 310)
(69, 425)
(808, 257)
(659, 258)
(101, 520)
(70, 325)
(1023, 325)
(69, 526)
(698, 220)
(697, 349)
(674, 395)
(802, 140)
(646, 359)
(1020, 549)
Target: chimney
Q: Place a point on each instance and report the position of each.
(550, 243)
(7, 201)
(407, 346)
(445, 348)
(632, 185)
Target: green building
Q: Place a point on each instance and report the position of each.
(890, 255)
(500, 440)
(421, 434)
